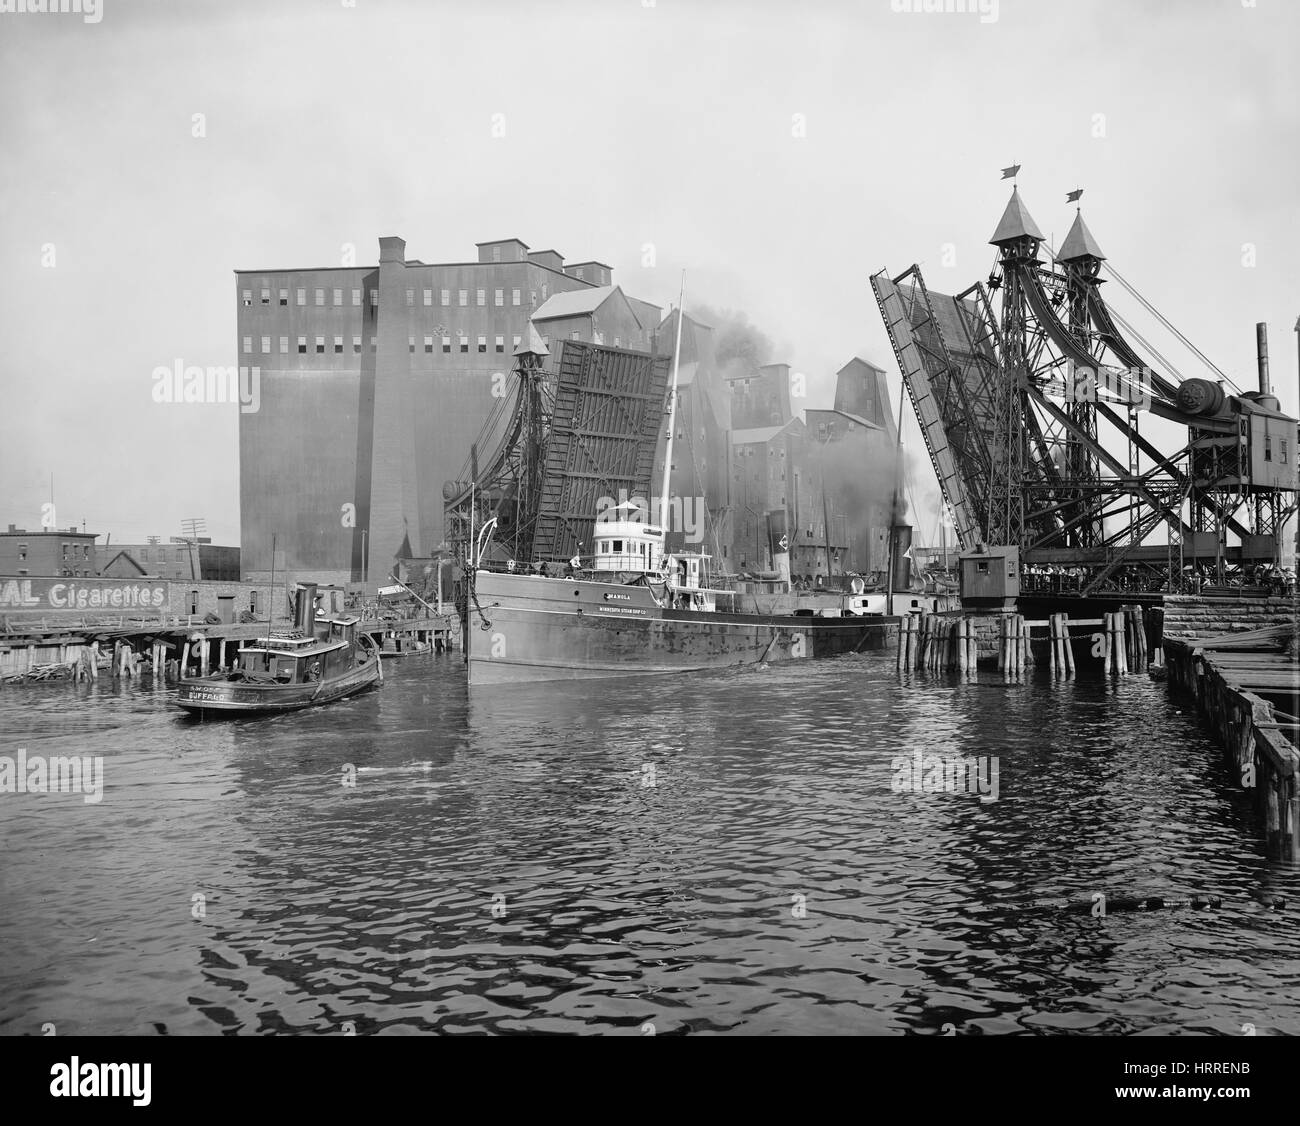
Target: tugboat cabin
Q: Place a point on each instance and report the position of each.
(298, 659)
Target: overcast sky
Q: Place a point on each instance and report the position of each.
(626, 123)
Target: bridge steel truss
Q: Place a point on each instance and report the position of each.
(1013, 404)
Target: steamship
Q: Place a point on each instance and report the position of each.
(639, 610)
(629, 606)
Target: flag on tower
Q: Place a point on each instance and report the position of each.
(1074, 195)
(1009, 173)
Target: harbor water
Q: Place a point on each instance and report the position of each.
(738, 852)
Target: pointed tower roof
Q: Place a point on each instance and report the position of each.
(1016, 222)
(1079, 243)
(534, 344)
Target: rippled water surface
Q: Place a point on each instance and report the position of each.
(716, 853)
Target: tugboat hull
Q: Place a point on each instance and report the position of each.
(202, 695)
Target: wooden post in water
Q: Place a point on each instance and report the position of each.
(902, 645)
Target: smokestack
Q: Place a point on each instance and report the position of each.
(902, 560)
(1261, 356)
(305, 609)
(778, 542)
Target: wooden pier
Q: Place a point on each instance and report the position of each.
(1119, 640)
(1246, 686)
(119, 646)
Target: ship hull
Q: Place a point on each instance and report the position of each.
(531, 629)
(201, 695)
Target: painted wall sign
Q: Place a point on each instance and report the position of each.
(54, 595)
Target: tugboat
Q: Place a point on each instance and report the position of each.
(316, 662)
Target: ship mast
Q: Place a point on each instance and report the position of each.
(672, 419)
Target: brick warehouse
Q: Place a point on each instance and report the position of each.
(374, 381)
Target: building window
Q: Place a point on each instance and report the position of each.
(338, 297)
(446, 296)
(338, 346)
(514, 297)
(252, 602)
(248, 344)
(374, 297)
(446, 344)
(496, 254)
(463, 294)
(410, 343)
(320, 297)
(617, 343)
(356, 345)
(356, 297)
(546, 340)
(194, 600)
(543, 292)
(1268, 448)
(1282, 449)
(22, 551)
(428, 344)
(481, 296)
(247, 297)
(302, 345)
(501, 343)
(372, 344)
(482, 343)
(428, 297)
(515, 341)
(266, 346)
(284, 297)
(410, 297)
(500, 296)
(573, 335)
(284, 345)
(302, 297)
(320, 344)
(464, 343)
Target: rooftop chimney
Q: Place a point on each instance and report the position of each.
(392, 249)
(1261, 355)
